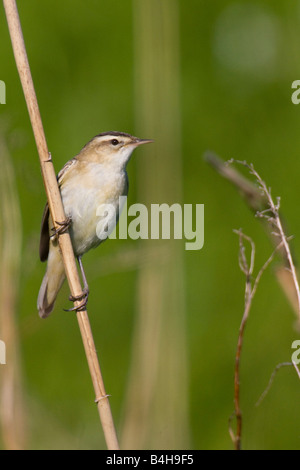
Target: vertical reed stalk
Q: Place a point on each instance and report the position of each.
(57, 214)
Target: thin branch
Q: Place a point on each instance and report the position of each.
(264, 267)
(276, 222)
(279, 366)
(58, 216)
(296, 369)
(248, 271)
(262, 203)
(247, 189)
(258, 199)
(250, 290)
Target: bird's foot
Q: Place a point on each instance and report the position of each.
(63, 227)
(84, 296)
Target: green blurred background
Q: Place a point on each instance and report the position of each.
(236, 61)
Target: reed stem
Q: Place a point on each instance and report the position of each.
(57, 214)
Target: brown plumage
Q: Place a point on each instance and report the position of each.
(96, 176)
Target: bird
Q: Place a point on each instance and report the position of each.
(95, 176)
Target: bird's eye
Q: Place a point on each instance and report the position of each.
(114, 141)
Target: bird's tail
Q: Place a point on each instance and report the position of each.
(52, 282)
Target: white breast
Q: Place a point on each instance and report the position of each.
(82, 196)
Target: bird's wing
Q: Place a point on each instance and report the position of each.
(45, 236)
(65, 170)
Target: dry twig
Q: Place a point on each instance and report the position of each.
(250, 290)
(296, 369)
(260, 201)
(271, 215)
(57, 214)
(279, 366)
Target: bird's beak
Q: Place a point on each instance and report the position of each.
(138, 142)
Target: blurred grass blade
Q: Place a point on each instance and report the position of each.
(156, 410)
(12, 415)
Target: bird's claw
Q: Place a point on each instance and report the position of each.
(63, 227)
(84, 296)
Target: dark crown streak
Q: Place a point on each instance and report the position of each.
(110, 133)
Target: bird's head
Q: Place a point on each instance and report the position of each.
(112, 148)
